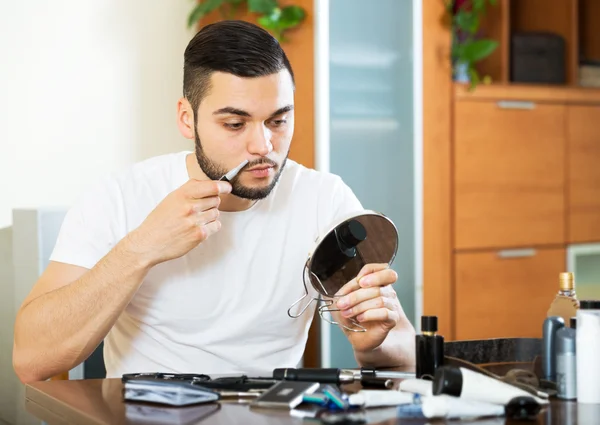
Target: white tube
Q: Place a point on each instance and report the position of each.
(443, 406)
(467, 384)
(376, 398)
(416, 386)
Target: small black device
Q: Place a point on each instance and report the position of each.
(538, 57)
(522, 408)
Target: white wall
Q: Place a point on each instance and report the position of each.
(86, 87)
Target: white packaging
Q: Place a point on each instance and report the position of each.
(416, 386)
(448, 407)
(588, 352)
(379, 398)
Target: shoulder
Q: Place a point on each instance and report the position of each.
(328, 192)
(310, 179)
(154, 176)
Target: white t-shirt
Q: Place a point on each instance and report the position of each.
(221, 308)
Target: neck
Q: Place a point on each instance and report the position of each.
(229, 202)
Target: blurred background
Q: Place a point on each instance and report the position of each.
(472, 124)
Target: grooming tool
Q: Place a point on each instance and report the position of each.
(241, 383)
(368, 382)
(230, 175)
(336, 376)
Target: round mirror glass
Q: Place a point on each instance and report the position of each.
(366, 237)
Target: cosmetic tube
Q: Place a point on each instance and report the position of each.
(449, 407)
(417, 386)
(467, 384)
(378, 398)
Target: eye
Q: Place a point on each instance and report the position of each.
(234, 125)
(278, 123)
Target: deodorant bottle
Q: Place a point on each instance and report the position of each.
(566, 363)
(429, 348)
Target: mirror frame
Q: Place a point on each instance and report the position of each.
(328, 303)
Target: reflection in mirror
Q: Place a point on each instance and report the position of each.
(364, 238)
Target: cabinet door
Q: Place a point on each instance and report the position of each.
(584, 173)
(505, 293)
(509, 174)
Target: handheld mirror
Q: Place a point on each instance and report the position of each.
(340, 254)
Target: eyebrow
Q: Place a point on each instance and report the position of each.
(242, 113)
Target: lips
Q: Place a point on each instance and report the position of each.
(263, 167)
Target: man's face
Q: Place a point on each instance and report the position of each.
(246, 118)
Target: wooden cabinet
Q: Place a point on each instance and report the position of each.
(583, 129)
(505, 293)
(509, 172)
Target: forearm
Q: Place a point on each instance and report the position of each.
(60, 329)
(398, 349)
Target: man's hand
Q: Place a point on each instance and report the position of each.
(185, 218)
(372, 302)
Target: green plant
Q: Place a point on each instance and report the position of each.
(271, 16)
(467, 47)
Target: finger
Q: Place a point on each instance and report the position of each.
(379, 278)
(206, 230)
(354, 285)
(358, 296)
(207, 217)
(371, 304)
(205, 204)
(389, 317)
(372, 268)
(198, 189)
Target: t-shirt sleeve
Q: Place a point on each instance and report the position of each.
(90, 228)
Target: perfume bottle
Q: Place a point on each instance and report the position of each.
(429, 348)
(565, 303)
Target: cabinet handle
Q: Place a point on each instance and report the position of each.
(515, 104)
(516, 253)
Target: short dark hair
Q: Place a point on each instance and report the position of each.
(236, 47)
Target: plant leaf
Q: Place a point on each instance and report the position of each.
(291, 16)
(268, 23)
(477, 50)
(202, 9)
(473, 78)
(262, 6)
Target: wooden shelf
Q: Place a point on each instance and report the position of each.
(529, 92)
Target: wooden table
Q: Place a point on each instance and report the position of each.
(99, 401)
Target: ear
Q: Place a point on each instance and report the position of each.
(185, 118)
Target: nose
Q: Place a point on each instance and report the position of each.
(260, 141)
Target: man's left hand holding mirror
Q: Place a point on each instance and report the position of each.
(371, 300)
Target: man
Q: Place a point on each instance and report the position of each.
(179, 272)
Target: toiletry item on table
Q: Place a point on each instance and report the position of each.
(417, 386)
(565, 303)
(429, 348)
(467, 384)
(588, 352)
(550, 327)
(566, 362)
(337, 376)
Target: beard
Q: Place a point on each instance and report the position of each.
(215, 171)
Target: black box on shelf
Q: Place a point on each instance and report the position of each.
(537, 57)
